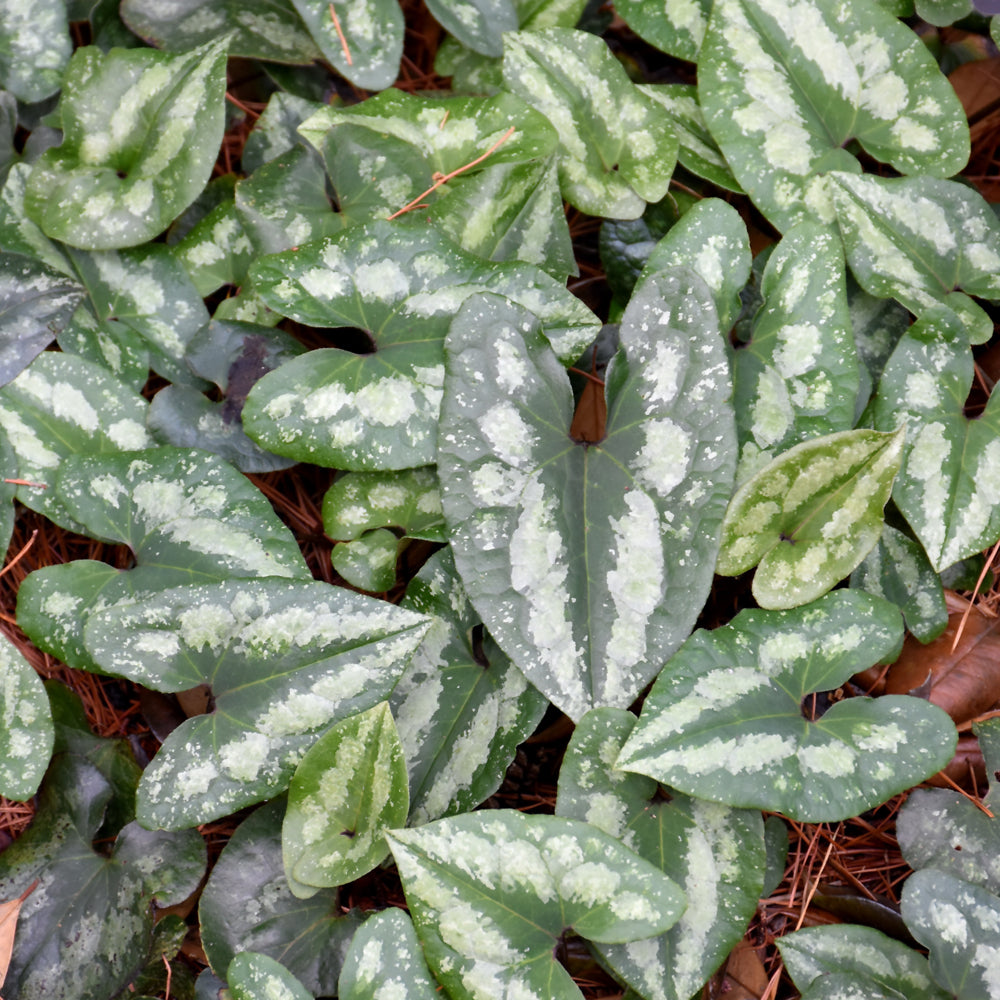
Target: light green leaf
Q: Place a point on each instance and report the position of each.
(18, 234)
(714, 853)
(247, 906)
(917, 239)
(724, 721)
(364, 44)
(948, 487)
(368, 562)
(478, 24)
(284, 660)
(879, 962)
(461, 707)
(897, 569)
(267, 29)
(35, 46)
(401, 284)
(385, 959)
(492, 892)
(141, 133)
(588, 564)
(617, 146)
(674, 26)
(359, 501)
(958, 923)
(26, 732)
(347, 790)
(944, 12)
(785, 86)
(253, 976)
(810, 516)
(797, 376)
(217, 251)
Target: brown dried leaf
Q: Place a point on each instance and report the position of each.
(967, 769)
(591, 415)
(9, 913)
(743, 977)
(977, 84)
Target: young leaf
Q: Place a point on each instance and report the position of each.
(253, 976)
(368, 562)
(26, 733)
(948, 486)
(401, 284)
(35, 46)
(492, 892)
(347, 790)
(714, 853)
(247, 906)
(617, 146)
(958, 923)
(285, 660)
(588, 564)
(461, 707)
(810, 516)
(784, 86)
(141, 133)
(918, 239)
(385, 960)
(729, 707)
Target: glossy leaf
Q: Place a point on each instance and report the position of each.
(402, 284)
(477, 24)
(957, 922)
(617, 146)
(26, 733)
(461, 707)
(715, 854)
(724, 721)
(368, 562)
(810, 516)
(918, 239)
(491, 893)
(784, 86)
(35, 46)
(246, 905)
(674, 26)
(253, 976)
(359, 501)
(948, 488)
(385, 959)
(141, 133)
(588, 564)
(284, 660)
(797, 376)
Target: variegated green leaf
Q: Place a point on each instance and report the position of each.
(108, 343)
(368, 562)
(253, 976)
(948, 487)
(401, 284)
(141, 133)
(266, 29)
(675, 26)
(878, 962)
(878, 324)
(797, 375)
(359, 501)
(897, 569)
(347, 790)
(18, 233)
(461, 706)
(284, 659)
(617, 147)
(385, 960)
(715, 854)
(276, 130)
(217, 251)
(785, 84)
(725, 719)
(492, 892)
(588, 563)
(35, 46)
(810, 516)
(25, 725)
(917, 239)
(478, 24)
(957, 922)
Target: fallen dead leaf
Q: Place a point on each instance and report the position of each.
(9, 913)
(743, 977)
(977, 84)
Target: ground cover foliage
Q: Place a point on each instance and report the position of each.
(578, 412)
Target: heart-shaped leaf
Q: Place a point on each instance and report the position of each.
(461, 706)
(253, 976)
(784, 87)
(958, 923)
(947, 486)
(361, 39)
(347, 790)
(492, 892)
(729, 707)
(917, 239)
(359, 501)
(401, 284)
(588, 564)
(26, 733)
(477, 24)
(714, 853)
(141, 133)
(35, 46)
(385, 959)
(797, 375)
(811, 515)
(617, 147)
(675, 26)
(247, 906)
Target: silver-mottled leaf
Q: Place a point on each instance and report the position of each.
(385, 960)
(25, 725)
